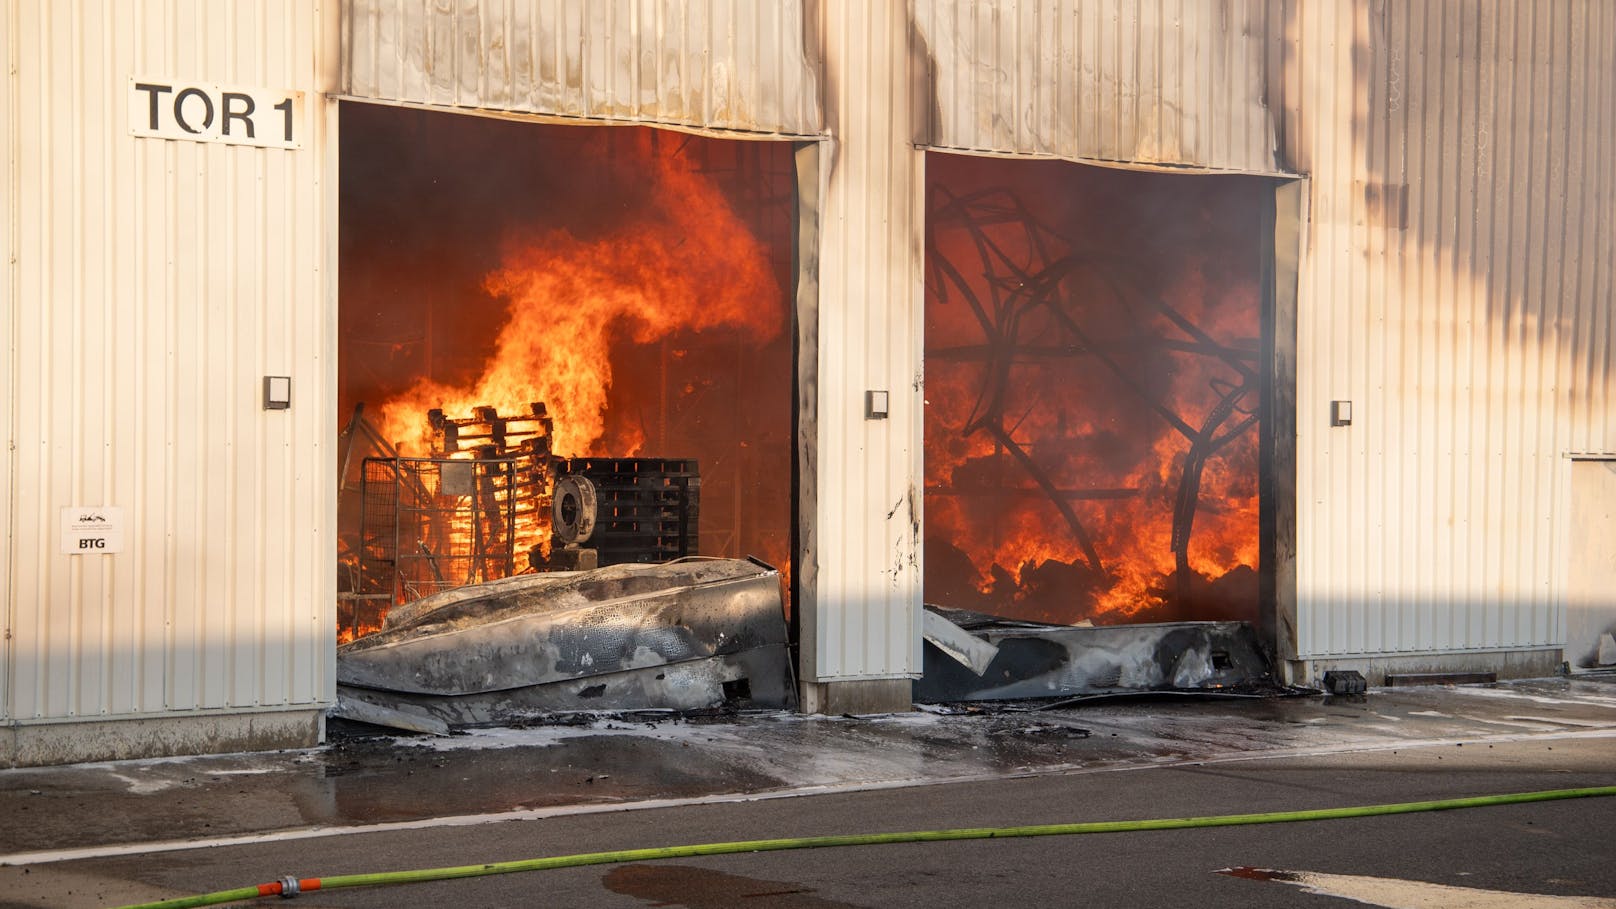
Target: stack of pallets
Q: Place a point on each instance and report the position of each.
(524, 440)
(647, 508)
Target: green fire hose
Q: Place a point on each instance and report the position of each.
(290, 886)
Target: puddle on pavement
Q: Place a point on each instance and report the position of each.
(381, 781)
(703, 888)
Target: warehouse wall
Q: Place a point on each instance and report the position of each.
(862, 611)
(1457, 286)
(155, 283)
(1455, 268)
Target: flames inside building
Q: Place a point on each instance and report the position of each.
(560, 347)
(1094, 363)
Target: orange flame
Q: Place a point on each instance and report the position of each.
(1080, 407)
(689, 263)
(557, 299)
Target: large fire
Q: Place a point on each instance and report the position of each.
(1092, 393)
(629, 281)
(683, 263)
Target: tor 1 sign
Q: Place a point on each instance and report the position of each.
(205, 112)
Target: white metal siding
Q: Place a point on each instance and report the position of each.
(755, 68)
(1470, 325)
(8, 351)
(1455, 156)
(1456, 277)
(867, 609)
(156, 283)
(714, 64)
(1166, 82)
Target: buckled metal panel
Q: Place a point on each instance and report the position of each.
(735, 65)
(1178, 83)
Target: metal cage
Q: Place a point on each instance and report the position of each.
(430, 524)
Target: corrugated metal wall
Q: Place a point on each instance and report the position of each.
(1168, 82)
(1456, 271)
(1457, 286)
(1453, 156)
(8, 347)
(757, 68)
(863, 620)
(156, 283)
(715, 64)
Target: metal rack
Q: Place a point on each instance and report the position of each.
(429, 524)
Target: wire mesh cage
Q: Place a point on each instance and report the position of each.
(430, 524)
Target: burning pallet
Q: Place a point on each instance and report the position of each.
(480, 507)
(525, 443)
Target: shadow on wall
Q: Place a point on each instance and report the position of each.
(1456, 286)
(1469, 145)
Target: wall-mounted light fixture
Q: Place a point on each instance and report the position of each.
(1340, 413)
(277, 392)
(875, 405)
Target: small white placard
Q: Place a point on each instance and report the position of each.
(206, 112)
(92, 530)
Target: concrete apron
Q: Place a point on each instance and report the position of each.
(619, 762)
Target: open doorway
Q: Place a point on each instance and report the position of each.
(1097, 358)
(522, 303)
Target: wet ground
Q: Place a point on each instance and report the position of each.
(607, 763)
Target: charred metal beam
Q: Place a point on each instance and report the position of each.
(1062, 505)
(1091, 495)
(1016, 285)
(968, 353)
(1220, 351)
(1202, 447)
(1045, 290)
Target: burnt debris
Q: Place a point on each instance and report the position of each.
(688, 635)
(974, 657)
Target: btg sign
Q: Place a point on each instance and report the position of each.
(203, 112)
(92, 531)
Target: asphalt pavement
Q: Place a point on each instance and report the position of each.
(1118, 762)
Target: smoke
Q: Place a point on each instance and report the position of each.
(1083, 325)
(632, 280)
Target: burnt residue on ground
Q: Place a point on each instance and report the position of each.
(613, 759)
